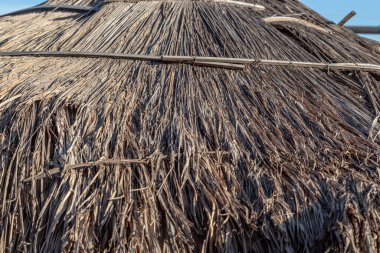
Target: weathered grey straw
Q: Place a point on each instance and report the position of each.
(187, 126)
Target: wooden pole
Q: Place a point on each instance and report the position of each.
(347, 18)
(217, 62)
(365, 29)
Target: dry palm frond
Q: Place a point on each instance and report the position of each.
(108, 155)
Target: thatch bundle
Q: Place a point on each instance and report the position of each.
(107, 154)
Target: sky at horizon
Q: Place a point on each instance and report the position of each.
(335, 10)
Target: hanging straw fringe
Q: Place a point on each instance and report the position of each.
(217, 62)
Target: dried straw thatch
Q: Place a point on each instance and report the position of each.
(112, 154)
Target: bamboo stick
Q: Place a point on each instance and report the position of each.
(82, 54)
(219, 62)
(65, 7)
(173, 58)
(220, 65)
(205, 61)
(330, 66)
(225, 60)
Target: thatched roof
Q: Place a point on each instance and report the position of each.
(152, 154)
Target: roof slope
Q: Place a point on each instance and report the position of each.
(124, 155)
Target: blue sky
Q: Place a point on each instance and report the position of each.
(335, 10)
(8, 6)
(367, 11)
